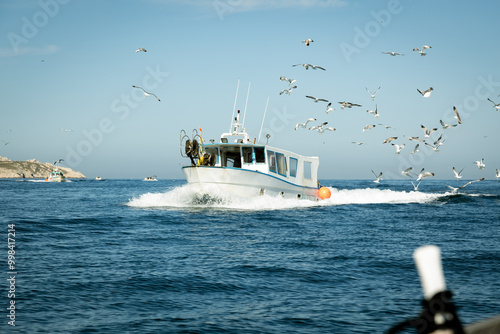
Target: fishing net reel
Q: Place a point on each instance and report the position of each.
(192, 149)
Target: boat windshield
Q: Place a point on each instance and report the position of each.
(230, 156)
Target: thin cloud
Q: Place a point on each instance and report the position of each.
(29, 51)
(250, 5)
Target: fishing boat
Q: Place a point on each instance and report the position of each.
(56, 176)
(150, 178)
(239, 166)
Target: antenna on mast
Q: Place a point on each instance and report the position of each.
(234, 107)
(246, 103)
(263, 118)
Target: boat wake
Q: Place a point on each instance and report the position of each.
(43, 181)
(187, 197)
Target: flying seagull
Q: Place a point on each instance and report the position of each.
(345, 104)
(427, 92)
(415, 186)
(406, 172)
(480, 164)
(423, 174)
(66, 130)
(415, 150)
(495, 105)
(398, 147)
(454, 190)
(434, 148)
(427, 132)
(288, 91)
(305, 123)
(6, 142)
(147, 93)
(457, 116)
(359, 143)
(306, 66)
(388, 140)
(458, 175)
(307, 41)
(58, 161)
(372, 95)
(415, 139)
(329, 108)
(316, 127)
(316, 99)
(322, 129)
(290, 81)
(141, 50)
(378, 177)
(422, 52)
(368, 127)
(446, 126)
(392, 53)
(439, 141)
(375, 113)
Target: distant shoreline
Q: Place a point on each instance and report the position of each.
(32, 169)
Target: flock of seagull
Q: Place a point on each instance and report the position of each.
(435, 145)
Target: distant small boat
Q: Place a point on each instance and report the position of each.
(150, 178)
(98, 178)
(56, 176)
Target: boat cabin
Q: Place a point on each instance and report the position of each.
(282, 164)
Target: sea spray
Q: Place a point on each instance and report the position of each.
(187, 196)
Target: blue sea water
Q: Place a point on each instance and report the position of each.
(128, 256)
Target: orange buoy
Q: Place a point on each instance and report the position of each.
(324, 193)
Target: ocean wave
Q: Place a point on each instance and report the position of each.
(187, 197)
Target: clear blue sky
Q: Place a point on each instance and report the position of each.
(71, 64)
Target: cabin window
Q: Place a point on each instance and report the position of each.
(230, 156)
(247, 154)
(213, 151)
(293, 167)
(281, 162)
(272, 161)
(307, 170)
(260, 157)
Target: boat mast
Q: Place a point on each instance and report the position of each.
(263, 118)
(234, 107)
(246, 103)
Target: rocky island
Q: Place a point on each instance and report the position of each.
(32, 169)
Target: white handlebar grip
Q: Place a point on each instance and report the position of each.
(428, 261)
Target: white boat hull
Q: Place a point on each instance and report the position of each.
(56, 179)
(245, 183)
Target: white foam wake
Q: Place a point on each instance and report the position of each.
(379, 196)
(187, 197)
